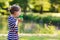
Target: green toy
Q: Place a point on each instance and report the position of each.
(21, 16)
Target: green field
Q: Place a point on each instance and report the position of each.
(34, 38)
(36, 29)
(27, 28)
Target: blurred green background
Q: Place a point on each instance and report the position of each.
(39, 17)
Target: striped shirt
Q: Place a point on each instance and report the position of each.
(13, 28)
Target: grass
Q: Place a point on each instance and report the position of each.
(34, 38)
(40, 38)
(4, 30)
(36, 29)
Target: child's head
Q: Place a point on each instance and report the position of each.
(15, 10)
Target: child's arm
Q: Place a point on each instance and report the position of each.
(20, 20)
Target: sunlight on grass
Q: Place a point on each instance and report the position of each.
(34, 38)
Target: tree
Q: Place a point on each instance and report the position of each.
(4, 5)
(55, 3)
(39, 5)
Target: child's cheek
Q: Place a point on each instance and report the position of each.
(16, 15)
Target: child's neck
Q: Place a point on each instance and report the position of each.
(13, 15)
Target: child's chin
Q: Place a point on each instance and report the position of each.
(17, 16)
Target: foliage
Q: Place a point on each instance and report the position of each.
(46, 19)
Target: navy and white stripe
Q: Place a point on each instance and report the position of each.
(13, 29)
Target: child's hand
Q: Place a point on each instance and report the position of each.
(20, 20)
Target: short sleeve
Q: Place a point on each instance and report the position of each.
(12, 22)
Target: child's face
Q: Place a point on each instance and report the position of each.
(17, 13)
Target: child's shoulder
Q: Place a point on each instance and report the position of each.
(10, 18)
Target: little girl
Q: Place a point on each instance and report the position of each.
(13, 22)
